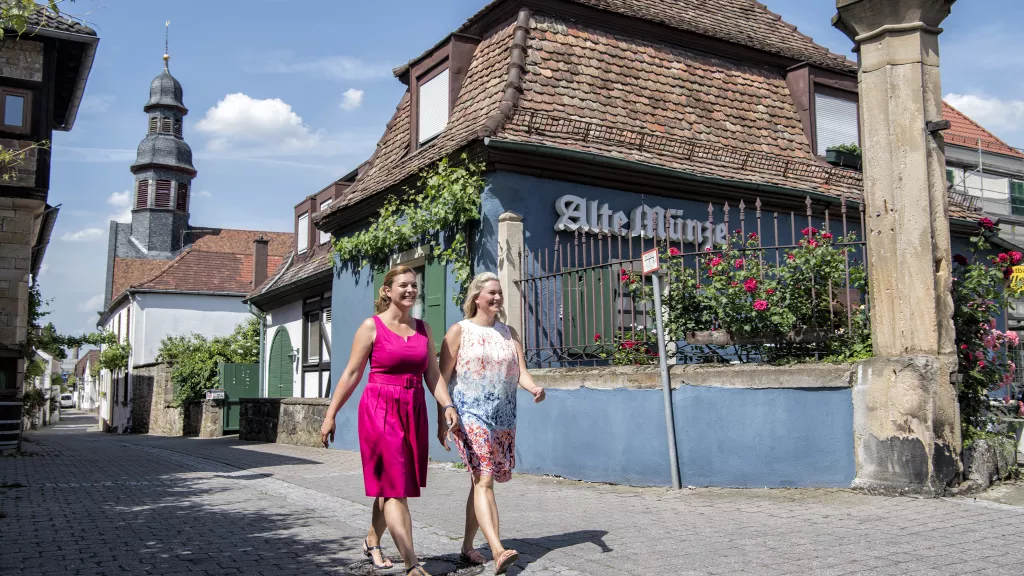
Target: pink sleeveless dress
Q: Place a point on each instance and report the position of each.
(393, 415)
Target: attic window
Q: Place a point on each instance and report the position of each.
(303, 233)
(433, 107)
(325, 236)
(142, 194)
(154, 124)
(15, 110)
(162, 198)
(165, 125)
(835, 120)
(181, 202)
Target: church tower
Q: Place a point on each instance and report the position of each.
(163, 173)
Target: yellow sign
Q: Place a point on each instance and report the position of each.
(1017, 280)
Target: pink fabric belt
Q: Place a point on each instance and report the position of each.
(405, 381)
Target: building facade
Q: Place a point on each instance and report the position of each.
(166, 277)
(605, 127)
(43, 74)
(87, 390)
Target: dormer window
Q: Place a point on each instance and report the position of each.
(433, 106)
(325, 236)
(835, 119)
(302, 235)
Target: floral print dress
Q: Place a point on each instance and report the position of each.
(483, 389)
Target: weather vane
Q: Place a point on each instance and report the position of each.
(167, 42)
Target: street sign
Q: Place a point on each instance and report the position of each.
(650, 261)
(214, 394)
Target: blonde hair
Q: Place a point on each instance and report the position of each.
(383, 300)
(476, 286)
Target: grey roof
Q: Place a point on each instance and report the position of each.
(165, 90)
(45, 20)
(164, 150)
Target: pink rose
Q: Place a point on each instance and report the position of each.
(760, 305)
(986, 223)
(750, 285)
(716, 261)
(1003, 257)
(790, 257)
(739, 263)
(673, 251)
(1015, 256)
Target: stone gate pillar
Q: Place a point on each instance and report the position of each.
(906, 416)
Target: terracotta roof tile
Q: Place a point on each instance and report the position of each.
(740, 115)
(745, 22)
(965, 132)
(218, 261)
(300, 268)
(92, 356)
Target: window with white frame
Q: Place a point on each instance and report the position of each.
(324, 236)
(835, 121)
(433, 107)
(303, 233)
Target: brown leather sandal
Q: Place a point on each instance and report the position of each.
(505, 561)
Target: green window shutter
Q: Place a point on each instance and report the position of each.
(1017, 198)
(279, 373)
(950, 176)
(378, 281)
(434, 294)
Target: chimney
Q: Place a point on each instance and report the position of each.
(74, 353)
(260, 250)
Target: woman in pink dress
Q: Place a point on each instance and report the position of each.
(392, 412)
(482, 361)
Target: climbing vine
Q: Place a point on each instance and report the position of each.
(436, 214)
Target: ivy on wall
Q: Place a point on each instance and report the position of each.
(436, 214)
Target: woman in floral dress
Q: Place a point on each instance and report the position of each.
(484, 359)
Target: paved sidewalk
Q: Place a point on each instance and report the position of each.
(91, 503)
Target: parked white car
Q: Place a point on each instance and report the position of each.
(67, 401)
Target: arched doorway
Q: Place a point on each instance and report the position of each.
(279, 374)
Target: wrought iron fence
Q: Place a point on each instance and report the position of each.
(584, 301)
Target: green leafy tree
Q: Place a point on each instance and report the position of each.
(195, 359)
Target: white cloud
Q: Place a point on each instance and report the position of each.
(92, 304)
(351, 99)
(85, 235)
(240, 123)
(992, 113)
(122, 201)
(204, 194)
(339, 67)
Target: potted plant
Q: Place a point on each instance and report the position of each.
(845, 155)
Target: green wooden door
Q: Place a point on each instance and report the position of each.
(435, 276)
(238, 381)
(279, 374)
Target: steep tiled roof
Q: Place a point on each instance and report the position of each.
(218, 261)
(709, 115)
(744, 22)
(91, 357)
(481, 92)
(300, 268)
(46, 20)
(965, 132)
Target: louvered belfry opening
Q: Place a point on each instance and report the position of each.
(165, 125)
(153, 124)
(142, 194)
(162, 198)
(177, 128)
(181, 202)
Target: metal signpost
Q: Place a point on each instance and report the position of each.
(651, 266)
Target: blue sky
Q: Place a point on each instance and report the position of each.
(286, 96)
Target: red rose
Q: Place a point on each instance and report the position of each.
(739, 263)
(1015, 257)
(628, 344)
(750, 285)
(1003, 257)
(597, 337)
(770, 291)
(986, 223)
(826, 236)
(960, 259)
(674, 251)
(790, 257)
(753, 236)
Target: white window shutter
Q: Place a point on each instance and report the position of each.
(433, 107)
(325, 236)
(835, 122)
(303, 233)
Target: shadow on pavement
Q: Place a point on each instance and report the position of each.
(538, 547)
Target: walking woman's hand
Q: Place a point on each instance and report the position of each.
(538, 394)
(327, 432)
(442, 435)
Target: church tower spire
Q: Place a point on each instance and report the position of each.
(163, 170)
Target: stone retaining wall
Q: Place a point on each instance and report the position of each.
(154, 413)
(283, 420)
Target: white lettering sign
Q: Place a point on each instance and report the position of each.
(576, 213)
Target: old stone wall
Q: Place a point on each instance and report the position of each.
(18, 220)
(211, 424)
(152, 394)
(192, 418)
(22, 172)
(21, 59)
(283, 420)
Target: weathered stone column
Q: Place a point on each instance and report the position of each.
(906, 416)
(510, 250)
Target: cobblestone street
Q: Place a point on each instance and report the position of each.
(83, 502)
